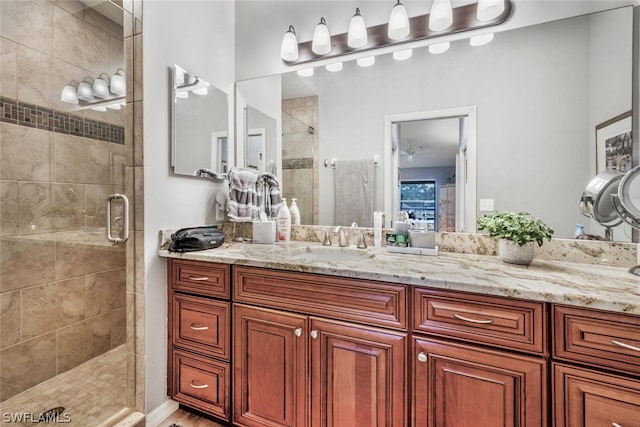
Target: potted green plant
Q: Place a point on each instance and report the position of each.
(517, 233)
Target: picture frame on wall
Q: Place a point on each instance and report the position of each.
(614, 144)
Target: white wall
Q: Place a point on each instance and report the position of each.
(199, 36)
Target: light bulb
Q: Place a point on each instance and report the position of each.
(489, 9)
(401, 55)
(367, 61)
(335, 67)
(289, 46)
(398, 27)
(481, 40)
(441, 16)
(321, 43)
(305, 72)
(439, 48)
(357, 36)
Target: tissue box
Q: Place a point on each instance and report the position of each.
(264, 232)
(422, 239)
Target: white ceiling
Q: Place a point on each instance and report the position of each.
(434, 143)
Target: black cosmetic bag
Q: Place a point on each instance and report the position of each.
(196, 239)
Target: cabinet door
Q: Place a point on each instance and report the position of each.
(357, 376)
(270, 368)
(585, 398)
(459, 385)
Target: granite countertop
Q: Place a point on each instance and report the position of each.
(584, 285)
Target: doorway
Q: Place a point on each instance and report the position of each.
(434, 146)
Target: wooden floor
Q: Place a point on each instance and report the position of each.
(184, 418)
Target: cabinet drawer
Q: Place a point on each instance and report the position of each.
(503, 322)
(203, 278)
(587, 398)
(596, 337)
(202, 384)
(201, 325)
(368, 302)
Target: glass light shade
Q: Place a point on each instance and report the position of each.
(489, 9)
(306, 72)
(398, 27)
(100, 88)
(401, 55)
(85, 92)
(114, 106)
(289, 46)
(100, 108)
(357, 36)
(321, 42)
(335, 67)
(439, 48)
(118, 84)
(441, 15)
(481, 40)
(201, 91)
(367, 61)
(182, 93)
(69, 95)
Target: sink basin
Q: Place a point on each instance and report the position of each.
(329, 254)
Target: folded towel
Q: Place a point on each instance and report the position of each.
(243, 200)
(269, 196)
(354, 192)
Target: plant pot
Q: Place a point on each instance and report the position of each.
(513, 253)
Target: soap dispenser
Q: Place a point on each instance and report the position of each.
(295, 213)
(284, 222)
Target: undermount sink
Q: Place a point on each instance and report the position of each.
(324, 253)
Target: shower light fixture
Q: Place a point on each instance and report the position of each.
(357, 36)
(442, 20)
(398, 27)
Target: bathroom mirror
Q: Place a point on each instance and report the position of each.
(199, 122)
(539, 92)
(260, 140)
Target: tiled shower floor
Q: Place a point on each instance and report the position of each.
(93, 394)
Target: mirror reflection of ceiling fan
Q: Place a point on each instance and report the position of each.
(410, 152)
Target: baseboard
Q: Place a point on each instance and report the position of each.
(162, 412)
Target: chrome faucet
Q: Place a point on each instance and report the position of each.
(342, 238)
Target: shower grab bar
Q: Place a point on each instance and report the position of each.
(332, 162)
(125, 202)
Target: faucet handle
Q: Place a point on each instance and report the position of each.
(361, 242)
(327, 239)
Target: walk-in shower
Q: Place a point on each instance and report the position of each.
(65, 319)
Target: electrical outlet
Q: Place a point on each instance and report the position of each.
(486, 205)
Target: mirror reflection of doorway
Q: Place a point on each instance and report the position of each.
(256, 142)
(433, 168)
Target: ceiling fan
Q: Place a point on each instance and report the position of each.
(410, 152)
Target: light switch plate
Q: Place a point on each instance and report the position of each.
(486, 205)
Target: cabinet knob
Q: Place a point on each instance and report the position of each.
(297, 332)
(422, 357)
(314, 334)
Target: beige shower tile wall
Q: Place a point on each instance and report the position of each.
(300, 155)
(62, 286)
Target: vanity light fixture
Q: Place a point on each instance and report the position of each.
(357, 36)
(305, 72)
(439, 48)
(481, 40)
(97, 94)
(118, 85)
(115, 106)
(69, 94)
(289, 46)
(321, 43)
(183, 94)
(489, 9)
(398, 27)
(441, 16)
(334, 67)
(101, 86)
(367, 61)
(85, 90)
(402, 55)
(100, 108)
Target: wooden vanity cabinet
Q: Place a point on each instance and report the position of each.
(596, 370)
(199, 319)
(294, 367)
(468, 366)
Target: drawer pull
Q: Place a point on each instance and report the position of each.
(198, 328)
(297, 332)
(422, 357)
(615, 425)
(198, 386)
(198, 278)
(623, 345)
(466, 319)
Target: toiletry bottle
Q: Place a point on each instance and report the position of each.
(579, 230)
(377, 229)
(295, 213)
(284, 222)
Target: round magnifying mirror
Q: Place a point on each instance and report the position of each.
(596, 199)
(629, 193)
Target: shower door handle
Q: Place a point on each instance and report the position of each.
(125, 203)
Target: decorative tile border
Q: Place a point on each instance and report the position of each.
(35, 116)
(303, 163)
